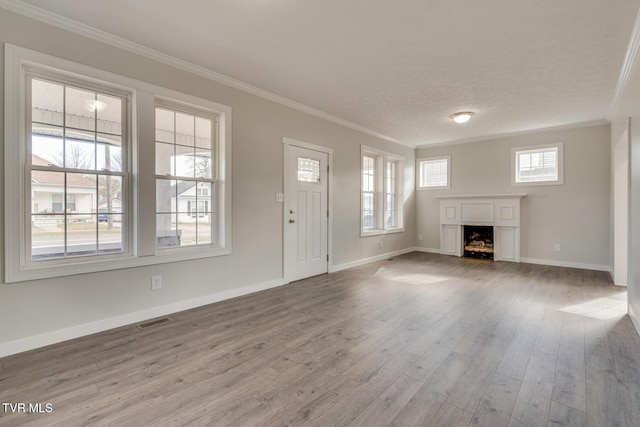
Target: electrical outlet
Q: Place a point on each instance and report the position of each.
(419, 236)
(380, 243)
(556, 248)
(156, 283)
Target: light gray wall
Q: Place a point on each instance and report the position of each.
(574, 215)
(634, 235)
(628, 111)
(28, 309)
(620, 208)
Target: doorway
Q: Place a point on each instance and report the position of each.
(306, 209)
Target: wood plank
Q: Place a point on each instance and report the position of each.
(534, 398)
(516, 358)
(566, 416)
(422, 339)
(497, 402)
(426, 365)
(469, 390)
(386, 407)
(569, 387)
(450, 416)
(428, 400)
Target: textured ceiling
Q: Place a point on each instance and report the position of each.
(399, 68)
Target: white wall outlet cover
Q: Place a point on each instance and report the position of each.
(280, 197)
(156, 282)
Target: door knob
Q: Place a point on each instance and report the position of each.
(291, 221)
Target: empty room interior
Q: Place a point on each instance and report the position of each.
(277, 213)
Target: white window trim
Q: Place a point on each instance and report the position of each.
(37, 72)
(419, 173)
(141, 237)
(514, 154)
(385, 157)
(216, 165)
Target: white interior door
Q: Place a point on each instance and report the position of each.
(306, 213)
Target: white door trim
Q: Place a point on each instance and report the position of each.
(288, 143)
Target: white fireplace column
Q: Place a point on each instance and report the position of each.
(501, 211)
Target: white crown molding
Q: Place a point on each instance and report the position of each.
(518, 133)
(627, 65)
(79, 28)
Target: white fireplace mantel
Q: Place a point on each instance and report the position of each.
(502, 211)
(483, 196)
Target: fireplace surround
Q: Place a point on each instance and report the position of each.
(499, 213)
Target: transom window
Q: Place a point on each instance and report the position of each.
(184, 177)
(537, 165)
(434, 172)
(76, 167)
(382, 207)
(308, 170)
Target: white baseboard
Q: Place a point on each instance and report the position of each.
(555, 263)
(29, 343)
(582, 266)
(634, 319)
(24, 344)
(427, 250)
(358, 263)
(615, 281)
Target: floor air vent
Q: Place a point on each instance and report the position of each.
(151, 323)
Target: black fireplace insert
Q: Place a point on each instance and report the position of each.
(478, 241)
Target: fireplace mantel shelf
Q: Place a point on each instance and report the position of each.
(483, 196)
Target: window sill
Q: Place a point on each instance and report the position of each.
(381, 232)
(447, 187)
(536, 183)
(75, 266)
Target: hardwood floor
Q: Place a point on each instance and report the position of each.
(419, 340)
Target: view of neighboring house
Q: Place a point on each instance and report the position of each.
(47, 193)
(192, 202)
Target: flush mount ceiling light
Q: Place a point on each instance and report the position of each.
(94, 105)
(462, 117)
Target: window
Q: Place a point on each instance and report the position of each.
(71, 202)
(308, 170)
(369, 205)
(391, 218)
(76, 138)
(71, 177)
(434, 173)
(382, 203)
(537, 165)
(56, 203)
(185, 143)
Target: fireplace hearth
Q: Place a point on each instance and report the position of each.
(478, 241)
